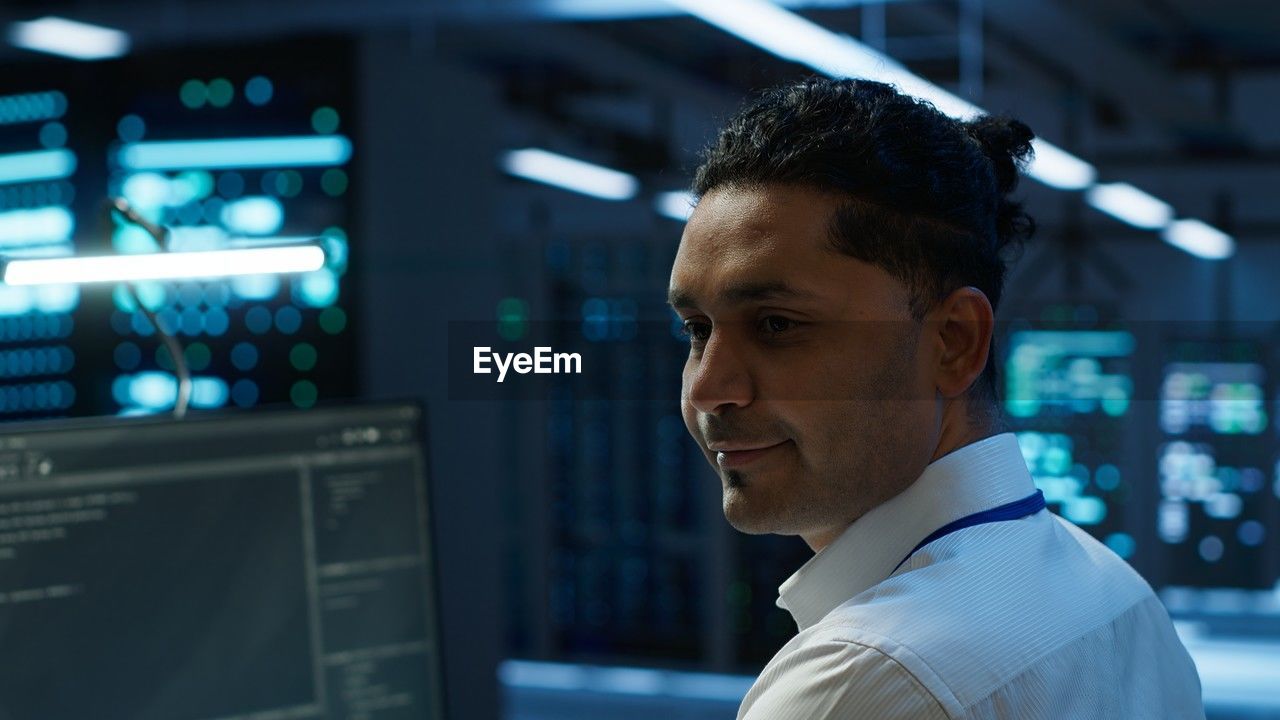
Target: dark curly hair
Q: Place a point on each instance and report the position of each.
(927, 194)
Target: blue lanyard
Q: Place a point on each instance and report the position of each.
(1029, 505)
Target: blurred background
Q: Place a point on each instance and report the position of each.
(514, 162)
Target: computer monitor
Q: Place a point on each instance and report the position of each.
(1217, 512)
(260, 565)
(1068, 393)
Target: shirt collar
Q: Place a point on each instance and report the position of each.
(976, 477)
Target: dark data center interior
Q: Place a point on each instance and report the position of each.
(360, 359)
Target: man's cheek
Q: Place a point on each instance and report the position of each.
(687, 409)
(689, 414)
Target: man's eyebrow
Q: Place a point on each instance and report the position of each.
(742, 293)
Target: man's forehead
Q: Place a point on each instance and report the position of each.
(759, 245)
(759, 222)
(750, 246)
(752, 273)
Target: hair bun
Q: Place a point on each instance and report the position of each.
(1006, 142)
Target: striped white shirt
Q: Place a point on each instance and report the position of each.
(1021, 619)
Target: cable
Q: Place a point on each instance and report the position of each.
(170, 341)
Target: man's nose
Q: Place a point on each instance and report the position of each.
(720, 377)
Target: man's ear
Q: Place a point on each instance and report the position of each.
(965, 323)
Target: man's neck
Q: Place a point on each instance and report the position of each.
(965, 421)
(957, 437)
(953, 436)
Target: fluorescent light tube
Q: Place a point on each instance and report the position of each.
(676, 205)
(68, 38)
(36, 166)
(570, 174)
(1058, 168)
(1129, 204)
(792, 37)
(1199, 239)
(224, 153)
(164, 266)
(795, 38)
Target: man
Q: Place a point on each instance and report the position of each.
(838, 279)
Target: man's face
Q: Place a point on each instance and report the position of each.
(807, 384)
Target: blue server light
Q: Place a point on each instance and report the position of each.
(154, 391)
(36, 226)
(36, 165)
(244, 356)
(253, 215)
(32, 107)
(230, 153)
(131, 128)
(53, 135)
(259, 90)
(317, 289)
(244, 393)
(256, 287)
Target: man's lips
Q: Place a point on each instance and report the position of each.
(733, 455)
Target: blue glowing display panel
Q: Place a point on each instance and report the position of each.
(1068, 391)
(1225, 398)
(226, 148)
(1068, 372)
(37, 169)
(1217, 512)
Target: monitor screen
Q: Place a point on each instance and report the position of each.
(265, 564)
(1068, 394)
(1216, 514)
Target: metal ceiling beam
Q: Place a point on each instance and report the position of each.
(1106, 67)
(596, 56)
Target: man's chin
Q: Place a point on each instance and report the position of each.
(747, 515)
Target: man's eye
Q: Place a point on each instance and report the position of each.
(775, 324)
(697, 332)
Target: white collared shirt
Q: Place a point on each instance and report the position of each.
(1022, 619)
